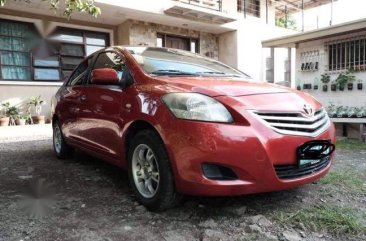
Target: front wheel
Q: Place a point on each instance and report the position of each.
(62, 150)
(150, 173)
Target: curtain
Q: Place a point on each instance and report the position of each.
(15, 58)
(15, 73)
(15, 44)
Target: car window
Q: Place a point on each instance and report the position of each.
(78, 76)
(111, 60)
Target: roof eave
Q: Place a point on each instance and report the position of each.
(339, 29)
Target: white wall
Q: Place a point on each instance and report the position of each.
(251, 55)
(353, 98)
(19, 95)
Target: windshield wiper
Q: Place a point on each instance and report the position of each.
(172, 72)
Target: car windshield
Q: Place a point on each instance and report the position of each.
(173, 62)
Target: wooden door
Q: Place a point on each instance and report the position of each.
(177, 43)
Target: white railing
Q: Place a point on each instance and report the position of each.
(208, 4)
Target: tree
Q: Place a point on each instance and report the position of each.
(71, 6)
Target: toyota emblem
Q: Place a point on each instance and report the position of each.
(308, 110)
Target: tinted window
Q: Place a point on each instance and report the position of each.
(79, 74)
(111, 60)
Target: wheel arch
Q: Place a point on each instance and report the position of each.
(133, 129)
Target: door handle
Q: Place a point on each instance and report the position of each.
(82, 98)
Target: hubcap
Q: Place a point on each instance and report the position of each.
(57, 138)
(145, 171)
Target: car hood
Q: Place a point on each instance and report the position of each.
(224, 86)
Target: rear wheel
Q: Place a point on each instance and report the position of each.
(150, 173)
(62, 150)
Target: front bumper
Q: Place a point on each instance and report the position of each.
(252, 152)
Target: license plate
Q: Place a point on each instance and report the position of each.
(313, 152)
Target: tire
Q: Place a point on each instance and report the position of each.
(149, 172)
(60, 147)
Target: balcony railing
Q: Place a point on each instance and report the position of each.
(208, 4)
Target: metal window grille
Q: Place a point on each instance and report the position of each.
(347, 54)
(250, 7)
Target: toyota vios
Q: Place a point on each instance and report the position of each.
(181, 123)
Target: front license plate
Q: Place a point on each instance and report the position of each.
(313, 152)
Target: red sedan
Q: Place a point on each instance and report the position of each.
(181, 123)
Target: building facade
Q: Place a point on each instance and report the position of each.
(323, 57)
(39, 48)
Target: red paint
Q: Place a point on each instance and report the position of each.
(104, 76)
(99, 126)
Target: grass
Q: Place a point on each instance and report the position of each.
(333, 219)
(347, 179)
(350, 144)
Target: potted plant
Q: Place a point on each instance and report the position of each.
(331, 110)
(37, 103)
(359, 85)
(333, 86)
(341, 81)
(325, 79)
(21, 120)
(342, 111)
(4, 118)
(351, 112)
(13, 113)
(344, 78)
(360, 112)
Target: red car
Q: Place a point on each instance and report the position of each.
(181, 123)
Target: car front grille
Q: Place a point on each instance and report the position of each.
(294, 171)
(295, 123)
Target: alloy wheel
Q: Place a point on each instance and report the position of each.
(145, 171)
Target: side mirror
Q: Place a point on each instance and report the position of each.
(104, 76)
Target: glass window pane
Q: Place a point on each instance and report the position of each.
(16, 29)
(9, 43)
(46, 74)
(66, 74)
(47, 62)
(15, 58)
(91, 49)
(96, 39)
(68, 36)
(72, 49)
(70, 63)
(15, 73)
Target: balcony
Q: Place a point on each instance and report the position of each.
(208, 4)
(209, 11)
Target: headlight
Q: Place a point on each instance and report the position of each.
(193, 106)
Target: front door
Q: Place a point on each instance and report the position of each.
(70, 101)
(99, 118)
(177, 43)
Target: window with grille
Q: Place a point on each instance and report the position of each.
(347, 54)
(250, 7)
(25, 56)
(69, 47)
(16, 41)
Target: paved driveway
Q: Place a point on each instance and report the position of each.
(43, 198)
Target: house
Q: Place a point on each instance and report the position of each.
(332, 51)
(228, 30)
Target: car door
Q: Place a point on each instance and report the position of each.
(69, 104)
(99, 118)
